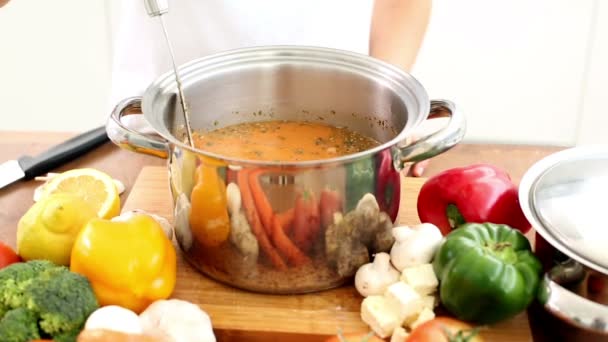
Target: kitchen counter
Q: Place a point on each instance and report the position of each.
(125, 166)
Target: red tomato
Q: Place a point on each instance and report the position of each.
(7, 256)
(437, 330)
(356, 337)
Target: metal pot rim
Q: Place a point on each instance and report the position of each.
(528, 199)
(285, 53)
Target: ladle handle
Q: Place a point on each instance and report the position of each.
(129, 139)
(156, 7)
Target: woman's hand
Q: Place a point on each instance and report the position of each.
(3, 2)
(418, 169)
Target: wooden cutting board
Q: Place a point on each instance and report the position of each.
(243, 316)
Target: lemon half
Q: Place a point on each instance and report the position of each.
(95, 187)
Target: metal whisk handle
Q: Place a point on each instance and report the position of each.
(156, 7)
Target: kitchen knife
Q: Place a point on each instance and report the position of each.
(28, 167)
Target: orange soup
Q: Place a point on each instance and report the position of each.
(283, 141)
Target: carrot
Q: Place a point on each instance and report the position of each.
(256, 224)
(284, 244)
(286, 219)
(307, 221)
(261, 201)
(275, 225)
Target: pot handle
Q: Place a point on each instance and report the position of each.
(572, 308)
(130, 139)
(437, 142)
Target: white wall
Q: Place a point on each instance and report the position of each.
(594, 115)
(516, 68)
(54, 64)
(521, 71)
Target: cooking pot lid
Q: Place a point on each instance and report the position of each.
(565, 198)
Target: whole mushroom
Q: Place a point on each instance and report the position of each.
(374, 278)
(414, 246)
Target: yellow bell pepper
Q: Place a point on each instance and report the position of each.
(129, 263)
(209, 218)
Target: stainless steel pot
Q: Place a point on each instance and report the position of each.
(563, 196)
(287, 83)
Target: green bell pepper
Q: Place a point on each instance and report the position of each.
(487, 272)
(360, 180)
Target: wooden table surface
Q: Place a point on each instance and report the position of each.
(125, 166)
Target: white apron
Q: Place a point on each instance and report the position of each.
(201, 27)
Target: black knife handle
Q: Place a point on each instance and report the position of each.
(62, 153)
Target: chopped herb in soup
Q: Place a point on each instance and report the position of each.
(283, 141)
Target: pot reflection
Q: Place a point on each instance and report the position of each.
(283, 230)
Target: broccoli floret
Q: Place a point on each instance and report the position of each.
(19, 325)
(59, 301)
(63, 300)
(15, 278)
(70, 336)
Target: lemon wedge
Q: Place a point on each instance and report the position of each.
(95, 187)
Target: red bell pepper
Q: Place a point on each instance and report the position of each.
(388, 185)
(477, 193)
(329, 203)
